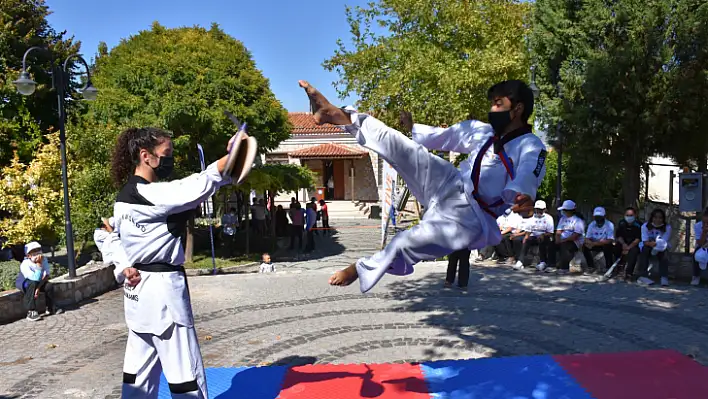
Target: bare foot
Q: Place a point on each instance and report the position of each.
(324, 111)
(344, 277)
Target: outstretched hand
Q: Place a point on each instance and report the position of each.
(523, 205)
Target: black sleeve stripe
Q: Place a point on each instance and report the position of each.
(184, 387)
(539, 164)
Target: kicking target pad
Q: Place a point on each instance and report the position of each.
(242, 154)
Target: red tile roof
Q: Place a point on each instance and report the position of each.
(328, 150)
(304, 123)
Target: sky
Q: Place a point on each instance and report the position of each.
(288, 39)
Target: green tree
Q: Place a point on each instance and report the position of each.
(32, 195)
(433, 58)
(24, 119)
(608, 61)
(686, 140)
(177, 79)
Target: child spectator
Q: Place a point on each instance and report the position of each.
(33, 279)
(266, 264)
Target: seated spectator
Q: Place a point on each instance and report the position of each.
(33, 279)
(627, 240)
(539, 232)
(655, 241)
(569, 235)
(700, 231)
(599, 238)
(267, 265)
(518, 233)
(508, 224)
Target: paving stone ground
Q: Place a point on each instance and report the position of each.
(295, 318)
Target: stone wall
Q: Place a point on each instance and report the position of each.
(365, 182)
(91, 280)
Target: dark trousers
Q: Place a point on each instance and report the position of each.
(44, 286)
(295, 232)
(310, 240)
(504, 248)
(644, 262)
(567, 251)
(629, 260)
(486, 252)
(590, 253)
(544, 243)
(516, 245)
(461, 257)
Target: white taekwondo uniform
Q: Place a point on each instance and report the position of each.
(150, 219)
(461, 205)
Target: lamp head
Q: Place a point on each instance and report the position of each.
(24, 84)
(90, 92)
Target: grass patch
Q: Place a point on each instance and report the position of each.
(202, 261)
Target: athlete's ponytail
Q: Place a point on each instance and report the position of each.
(127, 150)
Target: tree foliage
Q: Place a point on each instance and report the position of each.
(32, 195)
(176, 79)
(602, 71)
(434, 58)
(24, 119)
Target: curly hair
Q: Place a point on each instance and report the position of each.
(126, 153)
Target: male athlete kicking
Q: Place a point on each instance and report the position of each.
(505, 168)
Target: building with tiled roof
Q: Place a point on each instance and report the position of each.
(344, 170)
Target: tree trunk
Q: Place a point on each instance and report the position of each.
(248, 231)
(632, 180)
(189, 242)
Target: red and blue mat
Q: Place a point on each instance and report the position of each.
(661, 374)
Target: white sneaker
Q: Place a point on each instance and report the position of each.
(519, 265)
(664, 281)
(645, 281)
(696, 280)
(541, 266)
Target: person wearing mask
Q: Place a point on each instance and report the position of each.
(297, 219)
(325, 216)
(313, 201)
(509, 225)
(655, 241)
(34, 278)
(311, 222)
(504, 170)
(627, 238)
(539, 232)
(569, 235)
(700, 231)
(599, 238)
(151, 215)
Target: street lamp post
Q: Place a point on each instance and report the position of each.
(559, 177)
(60, 79)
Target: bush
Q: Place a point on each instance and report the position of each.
(9, 270)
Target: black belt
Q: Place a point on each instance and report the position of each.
(158, 267)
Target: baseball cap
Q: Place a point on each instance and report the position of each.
(702, 258)
(31, 246)
(540, 204)
(568, 205)
(599, 211)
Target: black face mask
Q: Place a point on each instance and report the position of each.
(165, 167)
(599, 220)
(499, 121)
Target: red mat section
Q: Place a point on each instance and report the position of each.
(662, 374)
(354, 381)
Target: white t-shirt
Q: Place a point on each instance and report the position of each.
(539, 226)
(599, 233)
(652, 234)
(569, 225)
